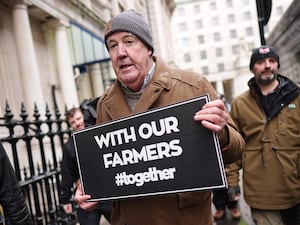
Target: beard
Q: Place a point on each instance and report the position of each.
(266, 80)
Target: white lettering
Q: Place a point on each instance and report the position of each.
(145, 131)
(116, 137)
(139, 179)
(163, 126)
(147, 153)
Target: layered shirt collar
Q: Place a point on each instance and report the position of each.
(146, 80)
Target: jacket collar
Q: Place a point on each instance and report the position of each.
(273, 103)
(162, 75)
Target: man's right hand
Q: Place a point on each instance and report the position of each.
(81, 199)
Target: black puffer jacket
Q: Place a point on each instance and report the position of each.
(11, 196)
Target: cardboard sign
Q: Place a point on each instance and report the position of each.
(157, 152)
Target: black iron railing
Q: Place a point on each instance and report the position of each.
(34, 145)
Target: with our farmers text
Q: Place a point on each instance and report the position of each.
(149, 152)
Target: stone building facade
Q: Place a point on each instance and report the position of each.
(285, 37)
(215, 38)
(53, 51)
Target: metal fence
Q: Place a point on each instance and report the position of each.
(34, 145)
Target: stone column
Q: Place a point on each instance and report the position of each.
(84, 86)
(27, 59)
(64, 66)
(97, 80)
(220, 87)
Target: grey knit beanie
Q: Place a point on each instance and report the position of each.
(133, 22)
(262, 52)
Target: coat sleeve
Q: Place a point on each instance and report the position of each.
(232, 173)
(232, 143)
(11, 196)
(232, 170)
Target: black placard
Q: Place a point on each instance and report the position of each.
(157, 152)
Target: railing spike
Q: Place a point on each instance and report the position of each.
(48, 113)
(36, 113)
(8, 114)
(23, 113)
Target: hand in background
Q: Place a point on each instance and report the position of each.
(81, 199)
(234, 193)
(68, 208)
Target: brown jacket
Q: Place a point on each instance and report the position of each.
(167, 86)
(271, 158)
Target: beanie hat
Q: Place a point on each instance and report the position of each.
(262, 52)
(133, 22)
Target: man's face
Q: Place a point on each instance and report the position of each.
(265, 70)
(76, 121)
(131, 59)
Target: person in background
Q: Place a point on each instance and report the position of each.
(11, 197)
(143, 83)
(268, 117)
(70, 175)
(226, 103)
(226, 197)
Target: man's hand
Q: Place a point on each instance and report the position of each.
(213, 116)
(234, 193)
(68, 208)
(81, 199)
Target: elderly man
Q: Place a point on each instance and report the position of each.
(144, 82)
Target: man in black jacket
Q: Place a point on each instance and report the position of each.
(70, 175)
(11, 196)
